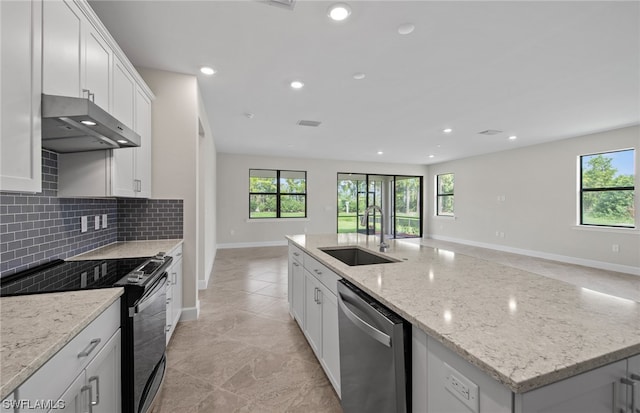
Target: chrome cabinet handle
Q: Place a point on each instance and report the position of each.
(89, 405)
(297, 254)
(319, 297)
(97, 380)
(90, 95)
(296, 264)
(632, 384)
(315, 295)
(175, 278)
(92, 345)
(167, 328)
(317, 272)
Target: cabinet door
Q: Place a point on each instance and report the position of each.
(143, 153)
(97, 64)
(313, 313)
(123, 170)
(61, 49)
(176, 285)
(298, 293)
(330, 343)
(20, 89)
(598, 390)
(169, 312)
(633, 374)
(76, 398)
(103, 376)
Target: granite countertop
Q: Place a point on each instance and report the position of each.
(523, 329)
(29, 338)
(128, 249)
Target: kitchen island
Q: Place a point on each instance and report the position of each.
(522, 329)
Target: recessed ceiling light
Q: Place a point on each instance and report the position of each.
(339, 12)
(249, 115)
(359, 76)
(88, 122)
(296, 84)
(380, 152)
(448, 130)
(406, 28)
(207, 70)
(432, 156)
(513, 137)
(122, 141)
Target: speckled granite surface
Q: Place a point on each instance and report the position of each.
(128, 249)
(29, 338)
(523, 329)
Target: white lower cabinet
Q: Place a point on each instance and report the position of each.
(314, 305)
(174, 291)
(82, 376)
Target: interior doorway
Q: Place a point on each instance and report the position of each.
(399, 197)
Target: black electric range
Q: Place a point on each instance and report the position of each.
(142, 320)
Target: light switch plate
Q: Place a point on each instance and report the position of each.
(462, 388)
(83, 224)
(104, 220)
(97, 222)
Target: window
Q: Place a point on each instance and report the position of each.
(607, 185)
(444, 195)
(277, 194)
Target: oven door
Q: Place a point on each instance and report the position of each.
(149, 345)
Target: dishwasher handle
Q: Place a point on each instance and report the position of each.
(367, 328)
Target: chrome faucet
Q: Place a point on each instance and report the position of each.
(364, 221)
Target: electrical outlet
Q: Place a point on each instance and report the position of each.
(462, 388)
(615, 248)
(97, 220)
(83, 224)
(104, 220)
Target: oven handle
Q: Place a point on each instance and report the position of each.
(146, 301)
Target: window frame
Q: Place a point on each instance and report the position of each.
(439, 195)
(582, 190)
(278, 194)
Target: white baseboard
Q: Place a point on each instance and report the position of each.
(190, 313)
(545, 255)
(282, 243)
(203, 284)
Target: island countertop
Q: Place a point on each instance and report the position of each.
(34, 327)
(523, 329)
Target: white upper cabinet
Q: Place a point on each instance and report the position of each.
(142, 126)
(97, 62)
(61, 48)
(124, 89)
(20, 89)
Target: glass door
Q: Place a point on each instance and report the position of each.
(399, 197)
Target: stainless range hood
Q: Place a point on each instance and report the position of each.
(78, 125)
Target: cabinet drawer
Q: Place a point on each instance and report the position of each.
(322, 273)
(51, 380)
(295, 253)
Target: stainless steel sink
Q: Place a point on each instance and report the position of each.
(356, 256)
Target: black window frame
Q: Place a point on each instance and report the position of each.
(278, 194)
(439, 195)
(603, 189)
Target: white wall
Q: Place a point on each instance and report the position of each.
(207, 197)
(233, 196)
(540, 213)
(175, 162)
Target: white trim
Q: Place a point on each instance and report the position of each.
(620, 230)
(190, 313)
(282, 243)
(259, 220)
(203, 284)
(628, 269)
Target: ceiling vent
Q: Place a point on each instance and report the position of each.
(283, 4)
(311, 123)
(490, 132)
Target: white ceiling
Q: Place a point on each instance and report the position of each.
(541, 70)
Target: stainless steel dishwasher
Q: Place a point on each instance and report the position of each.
(375, 354)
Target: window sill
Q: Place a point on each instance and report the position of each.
(445, 217)
(607, 229)
(258, 220)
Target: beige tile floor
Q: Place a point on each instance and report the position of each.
(244, 353)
